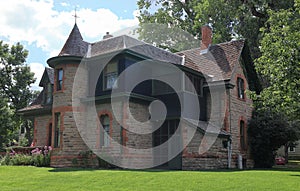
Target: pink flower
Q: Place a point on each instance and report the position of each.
(36, 151)
(12, 152)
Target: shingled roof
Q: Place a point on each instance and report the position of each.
(74, 46)
(49, 75)
(125, 42)
(217, 62)
(36, 106)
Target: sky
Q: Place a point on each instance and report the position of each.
(43, 26)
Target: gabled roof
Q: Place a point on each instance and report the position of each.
(125, 42)
(48, 75)
(74, 45)
(38, 100)
(36, 107)
(217, 62)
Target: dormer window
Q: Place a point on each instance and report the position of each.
(59, 79)
(241, 88)
(110, 75)
(48, 89)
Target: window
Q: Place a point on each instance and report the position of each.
(160, 87)
(104, 136)
(50, 134)
(110, 75)
(161, 136)
(122, 132)
(60, 74)
(292, 149)
(57, 131)
(48, 94)
(167, 129)
(242, 135)
(196, 81)
(241, 88)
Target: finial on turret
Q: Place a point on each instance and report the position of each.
(75, 15)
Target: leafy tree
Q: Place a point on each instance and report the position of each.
(279, 65)
(15, 81)
(7, 124)
(16, 77)
(268, 131)
(228, 18)
(280, 61)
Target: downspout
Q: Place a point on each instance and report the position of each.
(229, 144)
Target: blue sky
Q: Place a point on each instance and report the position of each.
(42, 26)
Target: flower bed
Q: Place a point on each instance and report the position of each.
(37, 156)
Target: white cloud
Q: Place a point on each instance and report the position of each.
(94, 24)
(38, 70)
(64, 4)
(36, 21)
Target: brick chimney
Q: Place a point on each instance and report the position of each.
(206, 33)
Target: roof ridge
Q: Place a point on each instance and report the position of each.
(228, 42)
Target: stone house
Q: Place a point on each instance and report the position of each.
(204, 125)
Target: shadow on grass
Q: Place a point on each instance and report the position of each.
(112, 169)
(174, 171)
(296, 175)
(155, 170)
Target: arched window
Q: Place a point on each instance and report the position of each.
(104, 135)
(241, 88)
(242, 135)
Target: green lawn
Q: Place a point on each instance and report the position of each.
(33, 178)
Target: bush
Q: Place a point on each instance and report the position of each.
(23, 142)
(38, 157)
(41, 157)
(5, 160)
(267, 132)
(21, 159)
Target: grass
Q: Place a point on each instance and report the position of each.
(33, 178)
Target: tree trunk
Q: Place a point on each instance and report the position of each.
(286, 153)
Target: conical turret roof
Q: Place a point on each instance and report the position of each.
(74, 46)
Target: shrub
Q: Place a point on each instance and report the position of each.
(5, 160)
(23, 142)
(268, 131)
(21, 159)
(38, 157)
(41, 157)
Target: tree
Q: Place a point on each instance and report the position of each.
(279, 63)
(228, 18)
(7, 124)
(268, 131)
(15, 81)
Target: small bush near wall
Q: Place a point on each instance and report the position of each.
(37, 157)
